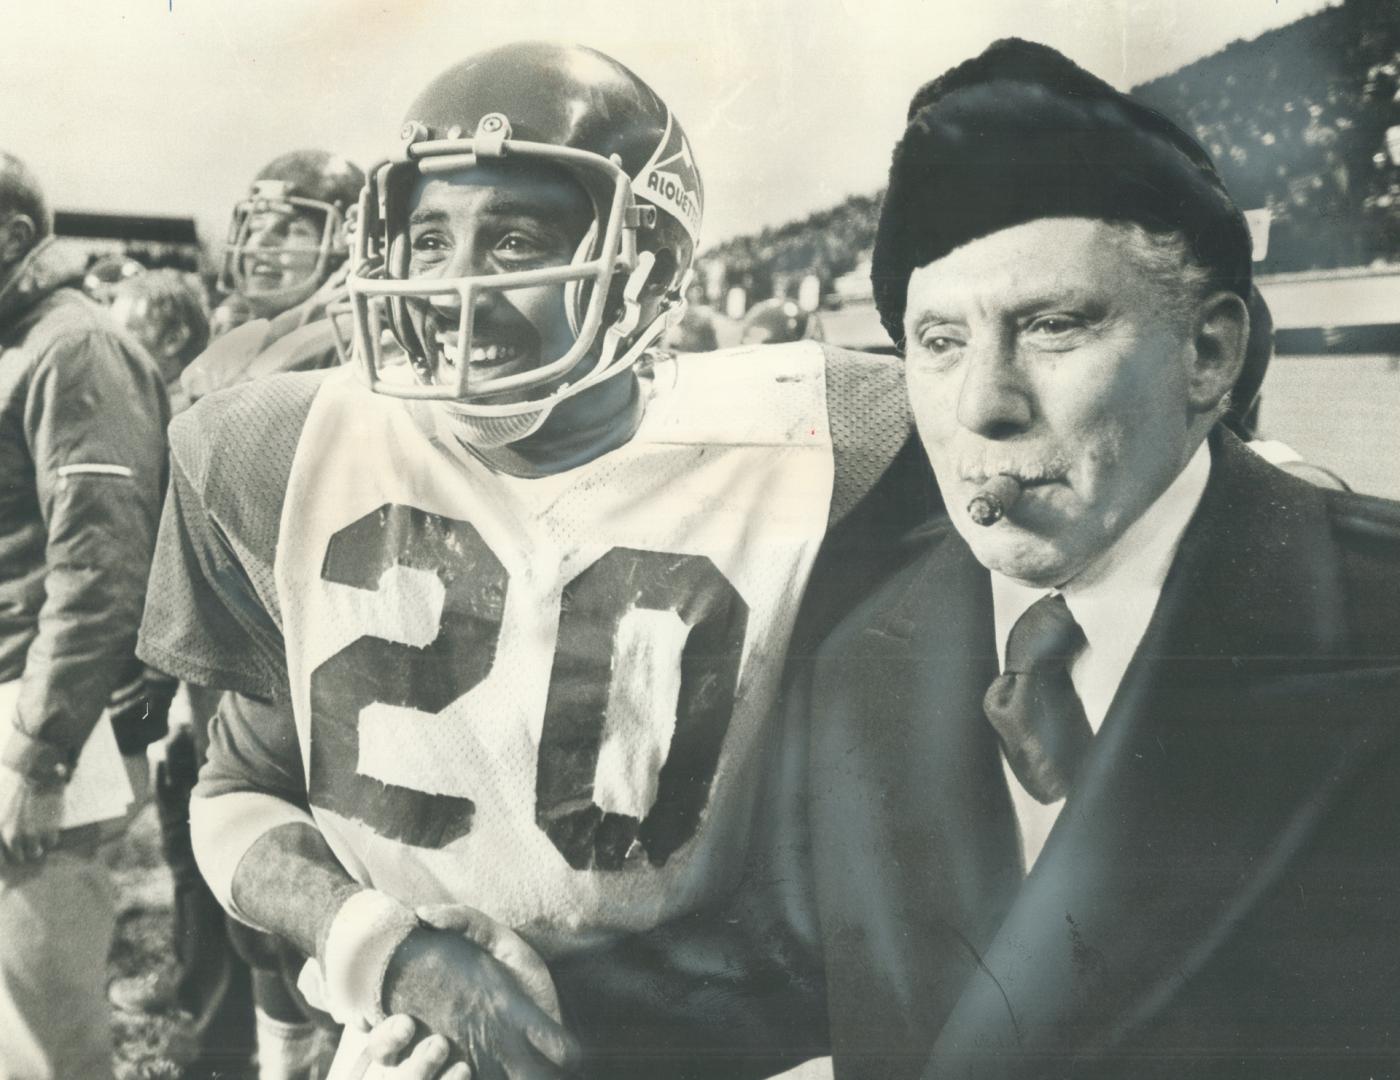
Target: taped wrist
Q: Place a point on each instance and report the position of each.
(364, 935)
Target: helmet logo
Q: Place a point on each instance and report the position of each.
(671, 180)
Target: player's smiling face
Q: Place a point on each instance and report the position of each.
(495, 218)
(281, 253)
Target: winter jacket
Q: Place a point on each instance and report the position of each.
(83, 413)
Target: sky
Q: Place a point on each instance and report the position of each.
(171, 106)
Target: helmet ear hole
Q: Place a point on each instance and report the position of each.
(663, 272)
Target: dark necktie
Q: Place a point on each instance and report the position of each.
(1033, 705)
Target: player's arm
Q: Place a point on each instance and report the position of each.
(265, 860)
(257, 845)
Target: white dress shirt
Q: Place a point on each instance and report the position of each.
(1112, 600)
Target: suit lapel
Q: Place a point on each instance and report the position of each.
(918, 848)
(1190, 799)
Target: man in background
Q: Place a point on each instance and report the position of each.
(695, 332)
(82, 470)
(164, 311)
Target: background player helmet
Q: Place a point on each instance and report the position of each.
(566, 107)
(316, 182)
(773, 322)
(105, 274)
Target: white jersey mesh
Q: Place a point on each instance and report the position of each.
(647, 586)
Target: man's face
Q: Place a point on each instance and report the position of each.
(1044, 351)
(495, 219)
(282, 252)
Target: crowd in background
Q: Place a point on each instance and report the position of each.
(1303, 121)
(1297, 121)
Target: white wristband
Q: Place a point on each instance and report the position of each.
(364, 935)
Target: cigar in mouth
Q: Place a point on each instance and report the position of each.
(995, 499)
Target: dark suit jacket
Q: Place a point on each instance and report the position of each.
(1220, 895)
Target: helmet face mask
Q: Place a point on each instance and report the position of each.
(615, 283)
(290, 233)
(278, 274)
(396, 297)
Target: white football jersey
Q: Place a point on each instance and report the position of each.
(544, 697)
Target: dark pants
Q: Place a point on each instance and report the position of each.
(212, 983)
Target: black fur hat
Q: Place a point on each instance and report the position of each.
(1022, 132)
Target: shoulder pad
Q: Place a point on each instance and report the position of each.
(235, 447)
(868, 411)
(307, 348)
(232, 429)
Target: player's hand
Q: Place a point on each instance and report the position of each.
(460, 991)
(390, 1040)
(29, 818)
(504, 945)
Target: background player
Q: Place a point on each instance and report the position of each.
(773, 322)
(524, 608)
(285, 261)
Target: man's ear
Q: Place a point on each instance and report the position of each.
(1220, 335)
(17, 235)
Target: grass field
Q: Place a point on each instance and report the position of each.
(148, 1046)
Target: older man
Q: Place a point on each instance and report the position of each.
(1103, 786)
(82, 466)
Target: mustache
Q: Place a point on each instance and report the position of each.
(979, 468)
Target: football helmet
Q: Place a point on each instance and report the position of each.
(557, 109)
(106, 273)
(318, 184)
(772, 322)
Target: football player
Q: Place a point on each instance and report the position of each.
(773, 322)
(285, 262)
(509, 617)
